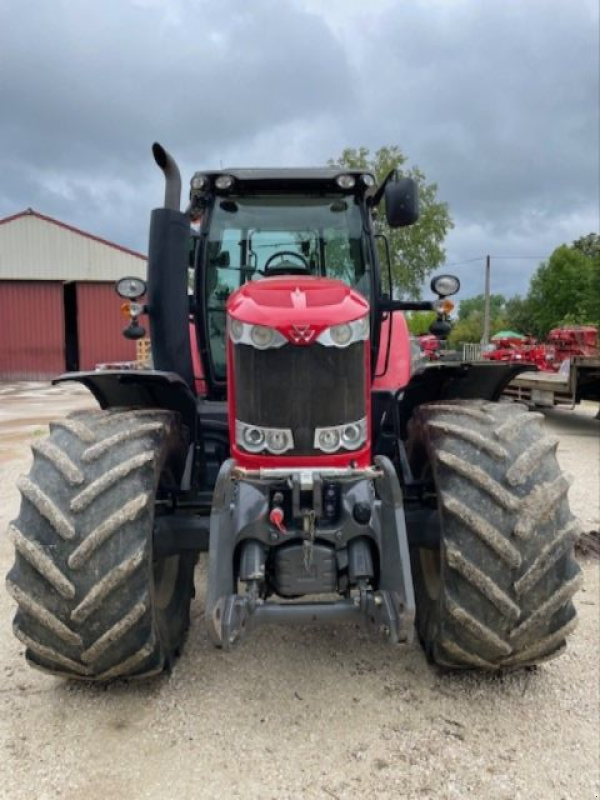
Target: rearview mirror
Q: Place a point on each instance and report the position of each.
(222, 259)
(401, 202)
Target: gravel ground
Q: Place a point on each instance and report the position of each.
(303, 713)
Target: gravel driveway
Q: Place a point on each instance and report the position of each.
(302, 713)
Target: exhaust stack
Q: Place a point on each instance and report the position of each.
(172, 176)
(168, 253)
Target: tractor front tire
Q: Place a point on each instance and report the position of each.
(497, 592)
(93, 602)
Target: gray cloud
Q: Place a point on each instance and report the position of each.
(497, 102)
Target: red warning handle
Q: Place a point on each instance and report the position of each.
(276, 519)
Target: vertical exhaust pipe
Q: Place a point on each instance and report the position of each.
(172, 176)
(168, 254)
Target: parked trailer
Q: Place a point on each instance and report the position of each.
(577, 379)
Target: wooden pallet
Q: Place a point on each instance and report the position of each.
(143, 353)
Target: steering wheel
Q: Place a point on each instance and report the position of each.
(284, 267)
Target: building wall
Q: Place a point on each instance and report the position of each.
(100, 324)
(58, 308)
(34, 247)
(32, 334)
(33, 322)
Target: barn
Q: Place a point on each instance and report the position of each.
(58, 307)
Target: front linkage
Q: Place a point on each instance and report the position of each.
(363, 544)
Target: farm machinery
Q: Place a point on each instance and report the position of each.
(562, 344)
(289, 438)
(567, 366)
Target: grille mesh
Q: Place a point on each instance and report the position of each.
(301, 388)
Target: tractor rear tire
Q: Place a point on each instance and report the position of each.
(497, 592)
(93, 602)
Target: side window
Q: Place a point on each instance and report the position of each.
(223, 276)
(345, 260)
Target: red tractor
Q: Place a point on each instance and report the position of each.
(289, 440)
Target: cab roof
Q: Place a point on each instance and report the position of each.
(285, 173)
(288, 179)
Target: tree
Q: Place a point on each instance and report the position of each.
(419, 321)
(588, 245)
(518, 315)
(417, 250)
(469, 327)
(565, 290)
(477, 304)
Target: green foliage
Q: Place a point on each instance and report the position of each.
(517, 312)
(469, 327)
(477, 304)
(565, 290)
(417, 250)
(419, 321)
(588, 245)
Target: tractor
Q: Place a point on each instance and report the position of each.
(282, 431)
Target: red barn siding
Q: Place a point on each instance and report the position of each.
(32, 336)
(99, 325)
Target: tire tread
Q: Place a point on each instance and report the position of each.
(508, 574)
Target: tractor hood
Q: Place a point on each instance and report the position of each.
(299, 307)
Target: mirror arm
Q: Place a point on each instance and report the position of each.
(406, 305)
(375, 198)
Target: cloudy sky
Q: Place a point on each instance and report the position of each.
(497, 101)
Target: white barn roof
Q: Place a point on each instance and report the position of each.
(39, 248)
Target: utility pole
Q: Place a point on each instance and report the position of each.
(485, 340)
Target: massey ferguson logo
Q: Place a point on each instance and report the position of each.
(302, 334)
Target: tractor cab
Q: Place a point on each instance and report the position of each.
(288, 310)
(286, 224)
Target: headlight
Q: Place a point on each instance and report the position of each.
(224, 182)
(444, 285)
(345, 334)
(345, 181)
(256, 439)
(236, 330)
(368, 179)
(278, 441)
(259, 336)
(253, 438)
(341, 335)
(130, 288)
(327, 439)
(198, 182)
(361, 328)
(350, 436)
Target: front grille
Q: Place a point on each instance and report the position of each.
(301, 388)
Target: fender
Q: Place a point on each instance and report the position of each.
(445, 381)
(143, 389)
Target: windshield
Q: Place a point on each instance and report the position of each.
(252, 237)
